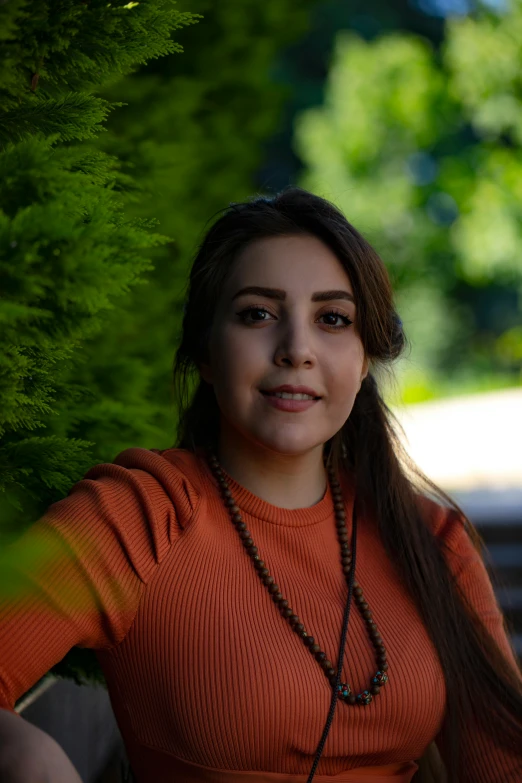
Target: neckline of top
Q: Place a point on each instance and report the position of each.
(256, 507)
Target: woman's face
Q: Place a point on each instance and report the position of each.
(285, 318)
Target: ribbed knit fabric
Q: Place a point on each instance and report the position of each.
(208, 682)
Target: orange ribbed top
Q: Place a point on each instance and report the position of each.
(208, 683)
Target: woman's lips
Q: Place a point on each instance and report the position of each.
(291, 406)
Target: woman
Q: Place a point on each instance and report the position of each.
(215, 579)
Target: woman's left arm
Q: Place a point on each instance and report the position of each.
(486, 761)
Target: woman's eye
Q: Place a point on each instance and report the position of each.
(250, 314)
(259, 314)
(334, 316)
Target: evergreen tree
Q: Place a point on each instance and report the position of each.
(67, 251)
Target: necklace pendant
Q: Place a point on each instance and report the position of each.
(344, 690)
(364, 698)
(381, 678)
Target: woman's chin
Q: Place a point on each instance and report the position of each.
(289, 447)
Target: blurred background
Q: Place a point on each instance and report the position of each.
(407, 114)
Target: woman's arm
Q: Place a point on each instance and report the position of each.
(75, 577)
(487, 761)
(29, 755)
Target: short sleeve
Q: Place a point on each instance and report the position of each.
(75, 577)
(485, 761)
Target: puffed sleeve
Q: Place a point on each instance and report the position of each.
(75, 577)
(485, 760)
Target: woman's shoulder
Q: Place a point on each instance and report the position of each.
(174, 474)
(441, 519)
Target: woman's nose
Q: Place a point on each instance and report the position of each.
(294, 346)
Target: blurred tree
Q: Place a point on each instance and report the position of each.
(421, 150)
(304, 66)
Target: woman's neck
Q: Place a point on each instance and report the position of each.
(283, 480)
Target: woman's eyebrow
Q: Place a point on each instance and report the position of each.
(280, 295)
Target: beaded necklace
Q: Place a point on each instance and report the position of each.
(344, 691)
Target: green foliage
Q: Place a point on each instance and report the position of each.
(421, 150)
(67, 250)
(66, 254)
(70, 47)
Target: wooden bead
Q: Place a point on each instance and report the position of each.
(268, 580)
(287, 612)
(247, 542)
(357, 590)
(241, 526)
(284, 603)
(244, 533)
(309, 640)
(315, 648)
(375, 690)
(320, 656)
(273, 588)
(252, 550)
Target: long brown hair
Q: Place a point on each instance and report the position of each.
(482, 687)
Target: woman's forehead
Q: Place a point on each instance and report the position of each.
(296, 264)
